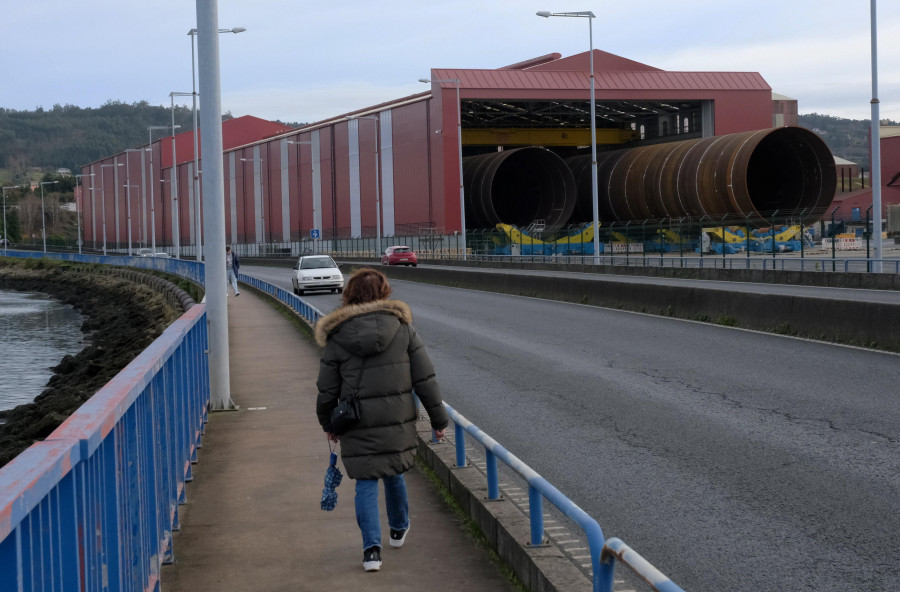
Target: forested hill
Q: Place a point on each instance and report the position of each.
(847, 138)
(69, 136)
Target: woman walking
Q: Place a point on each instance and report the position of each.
(371, 350)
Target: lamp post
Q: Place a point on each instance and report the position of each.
(262, 209)
(197, 225)
(128, 186)
(150, 129)
(875, 135)
(77, 210)
(462, 198)
(43, 216)
(103, 199)
(6, 236)
(128, 214)
(590, 17)
(176, 218)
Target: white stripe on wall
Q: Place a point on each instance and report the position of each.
(355, 218)
(285, 194)
(386, 144)
(316, 181)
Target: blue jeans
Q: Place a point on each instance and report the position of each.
(367, 507)
(231, 277)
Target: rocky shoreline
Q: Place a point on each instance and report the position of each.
(121, 318)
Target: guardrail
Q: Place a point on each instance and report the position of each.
(604, 553)
(192, 271)
(93, 506)
(307, 311)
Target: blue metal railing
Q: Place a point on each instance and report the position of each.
(189, 270)
(604, 553)
(93, 506)
(309, 312)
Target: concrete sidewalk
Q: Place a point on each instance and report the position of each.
(252, 521)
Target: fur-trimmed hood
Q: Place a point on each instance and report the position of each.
(332, 321)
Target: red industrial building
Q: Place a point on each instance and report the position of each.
(852, 206)
(395, 169)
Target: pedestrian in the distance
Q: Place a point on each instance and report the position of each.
(371, 349)
(232, 267)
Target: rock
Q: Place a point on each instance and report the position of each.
(122, 318)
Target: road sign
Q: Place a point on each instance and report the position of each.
(314, 233)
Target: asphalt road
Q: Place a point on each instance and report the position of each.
(730, 459)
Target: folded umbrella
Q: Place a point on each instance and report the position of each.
(333, 477)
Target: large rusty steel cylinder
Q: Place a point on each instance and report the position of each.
(518, 187)
(748, 175)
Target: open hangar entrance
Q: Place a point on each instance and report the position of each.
(525, 126)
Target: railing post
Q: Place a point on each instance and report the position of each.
(493, 480)
(460, 437)
(536, 513)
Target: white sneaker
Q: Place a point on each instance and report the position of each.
(398, 537)
(372, 559)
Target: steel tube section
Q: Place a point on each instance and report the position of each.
(748, 174)
(213, 187)
(518, 187)
(602, 575)
(616, 549)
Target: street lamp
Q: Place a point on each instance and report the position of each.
(128, 186)
(377, 121)
(262, 209)
(43, 216)
(875, 138)
(150, 129)
(6, 236)
(77, 211)
(590, 17)
(197, 225)
(462, 199)
(103, 199)
(176, 221)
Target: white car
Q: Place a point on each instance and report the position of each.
(317, 272)
(144, 253)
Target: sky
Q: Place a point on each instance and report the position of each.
(302, 61)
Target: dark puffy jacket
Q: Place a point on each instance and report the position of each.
(373, 349)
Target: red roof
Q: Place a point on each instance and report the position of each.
(612, 73)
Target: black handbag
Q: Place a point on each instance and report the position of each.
(348, 411)
(345, 415)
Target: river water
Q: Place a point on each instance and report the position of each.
(36, 332)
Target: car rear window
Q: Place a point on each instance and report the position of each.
(402, 250)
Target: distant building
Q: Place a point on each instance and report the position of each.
(64, 171)
(853, 205)
(784, 111)
(846, 171)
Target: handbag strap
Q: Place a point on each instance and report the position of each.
(359, 381)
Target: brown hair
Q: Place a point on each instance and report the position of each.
(366, 285)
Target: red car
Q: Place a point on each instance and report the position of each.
(399, 255)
